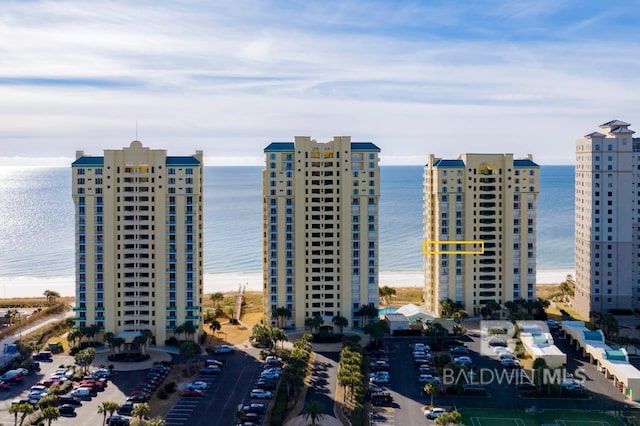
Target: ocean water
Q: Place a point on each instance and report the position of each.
(37, 226)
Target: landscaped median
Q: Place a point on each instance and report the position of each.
(295, 379)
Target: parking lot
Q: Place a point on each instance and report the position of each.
(224, 393)
(117, 389)
(408, 399)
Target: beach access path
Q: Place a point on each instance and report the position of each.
(9, 340)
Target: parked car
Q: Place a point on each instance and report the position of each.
(459, 350)
(381, 398)
(217, 362)
(198, 384)
(101, 373)
(12, 376)
(510, 363)
(70, 400)
(210, 369)
(265, 384)
(5, 386)
(270, 375)
(261, 394)
(138, 397)
(188, 392)
(496, 341)
(463, 360)
(428, 378)
(380, 378)
(67, 409)
(82, 393)
(434, 412)
(254, 408)
(126, 408)
(223, 349)
(117, 421)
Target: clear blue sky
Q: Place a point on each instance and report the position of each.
(228, 77)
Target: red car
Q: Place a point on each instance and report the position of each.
(191, 392)
(5, 386)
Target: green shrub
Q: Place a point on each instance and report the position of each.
(162, 394)
(170, 387)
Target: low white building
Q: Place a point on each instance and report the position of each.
(614, 363)
(539, 344)
(397, 322)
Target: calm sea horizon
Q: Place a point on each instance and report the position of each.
(37, 228)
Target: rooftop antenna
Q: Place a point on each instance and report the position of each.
(136, 129)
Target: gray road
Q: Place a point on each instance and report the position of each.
(324, 380)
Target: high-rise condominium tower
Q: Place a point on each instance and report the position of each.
(489, 198)
(320, 222)
(138, 215)
(607, 224)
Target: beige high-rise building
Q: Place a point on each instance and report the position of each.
(138, 243)
(607, 224)
(489, 198)
(320, 224)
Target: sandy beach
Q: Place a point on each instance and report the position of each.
(225, 282)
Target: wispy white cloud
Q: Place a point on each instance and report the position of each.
(230, 76)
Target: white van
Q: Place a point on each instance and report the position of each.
(82, 393)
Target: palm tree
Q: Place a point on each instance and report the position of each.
(113, 407)
(460, 316)
(189, 329)
(72, 336)
(140, 341)
(50, 414)
(51, 296)
(313, 323)
(140, 411)
(109, 407)
(25, 409)
(13, 409)
(368, 311)
(278, 335)
(117, 342)
(216, 298)
(215, 326)
(431, 389)
(340, 322)
(385, 292)
(281, 313)
(91, 331)
(108, 337)
(313, 410)
(179, 330)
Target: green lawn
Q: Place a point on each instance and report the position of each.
(488, 417)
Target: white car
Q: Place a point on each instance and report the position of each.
(512, 363)
(502, 350)
(433, 413)
(199, 385)
(428, 378)
(261, 394)
(463, 360)
(223, 349)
